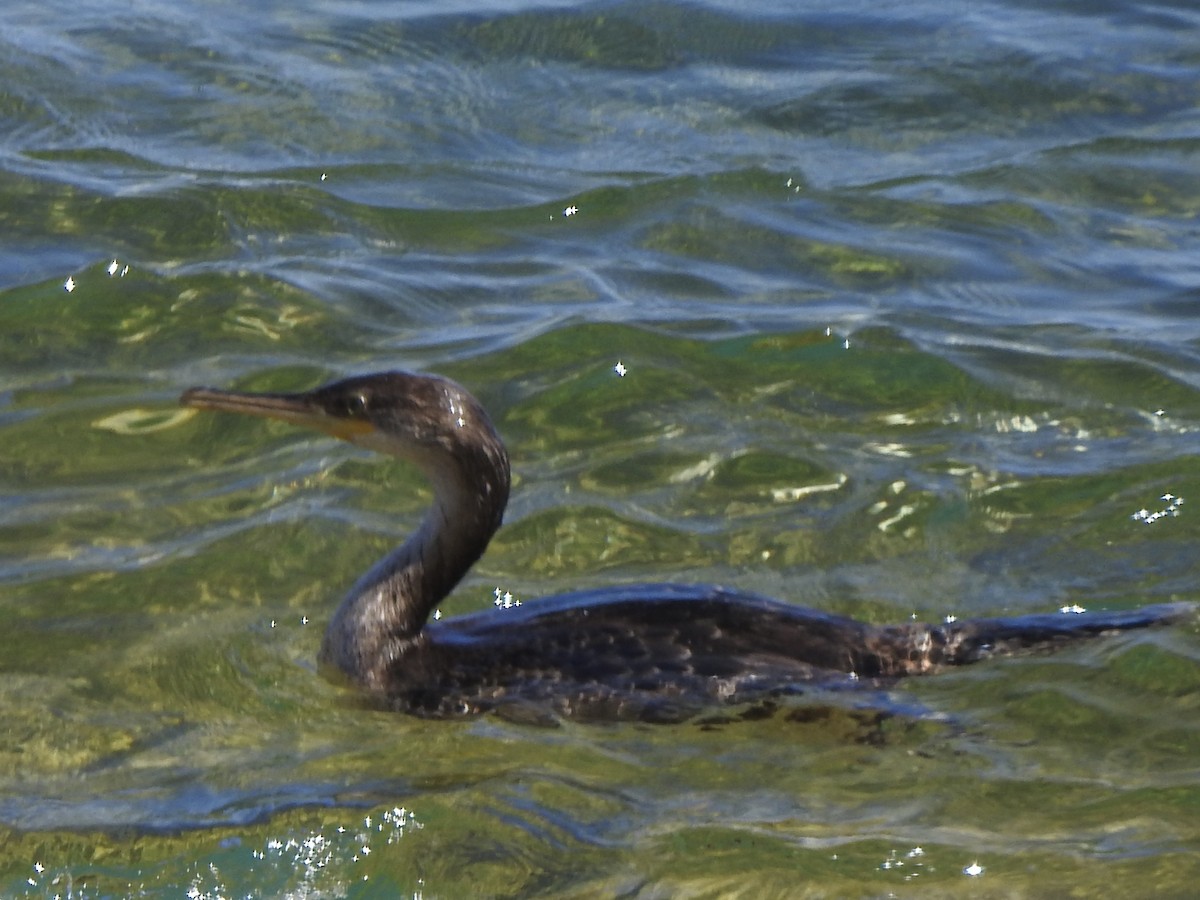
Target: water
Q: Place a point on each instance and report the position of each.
(906, 296)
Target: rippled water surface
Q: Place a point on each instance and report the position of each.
(908, 300)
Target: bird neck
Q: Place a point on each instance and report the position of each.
(382, 616)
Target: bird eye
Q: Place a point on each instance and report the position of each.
(356, 405)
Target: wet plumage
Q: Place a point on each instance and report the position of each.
(652, 652)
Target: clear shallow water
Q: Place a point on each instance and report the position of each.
(996, 208)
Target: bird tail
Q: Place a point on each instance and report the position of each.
(977, 639)
(916, 649)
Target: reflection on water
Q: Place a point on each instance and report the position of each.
(906, 308)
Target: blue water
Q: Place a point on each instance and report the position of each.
(906, 300)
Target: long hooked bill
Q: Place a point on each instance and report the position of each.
(298, 409)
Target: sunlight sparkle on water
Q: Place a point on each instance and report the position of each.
(504, 599)
(1169, 510)
(910, 865)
